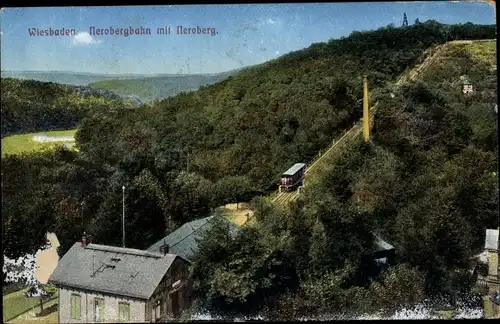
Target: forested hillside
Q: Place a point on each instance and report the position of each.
(262, 120)
(185, 155)
(159, 87)
(428, 182)
(29, 106)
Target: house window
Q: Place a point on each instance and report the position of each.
(98, 310)
(157, 310)
(76, 306)
(123, 312)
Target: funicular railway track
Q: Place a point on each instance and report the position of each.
(336, 148)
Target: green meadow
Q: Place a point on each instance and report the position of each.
(24, 143)
(16, 303)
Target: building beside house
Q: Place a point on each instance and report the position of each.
(467, 87)
(184, 241)
(99, 283)
(491, 282)
(491, 247)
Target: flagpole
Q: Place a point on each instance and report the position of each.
(123, 216)
(81, 211)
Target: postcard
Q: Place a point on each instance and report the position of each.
(305, 161)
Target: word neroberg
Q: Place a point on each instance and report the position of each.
(181, 30)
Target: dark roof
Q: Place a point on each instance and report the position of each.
(465, 79)
(183, 241)
(296, 167)
(115, 270)
(380, 245)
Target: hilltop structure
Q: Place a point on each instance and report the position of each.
(405, 20)
(467, 87)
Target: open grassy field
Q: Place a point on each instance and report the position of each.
(17, 303)
(48, 316)
(483, 50)
(24, 143)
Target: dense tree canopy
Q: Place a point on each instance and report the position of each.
(427, 182)
(29, 106)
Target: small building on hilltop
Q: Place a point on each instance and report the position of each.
(467, 86)
(184, 241)
(99, 283)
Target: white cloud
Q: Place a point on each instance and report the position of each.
(1, 33)
(84, 38)
(270, 22)
(277, 52)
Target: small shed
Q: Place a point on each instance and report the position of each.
(467, 86)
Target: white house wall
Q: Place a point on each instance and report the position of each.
(137, 307)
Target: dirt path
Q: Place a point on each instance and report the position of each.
(236, 214)
(45, 138)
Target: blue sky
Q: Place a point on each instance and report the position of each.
(247, 34)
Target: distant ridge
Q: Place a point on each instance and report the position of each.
(145, 87)
(158, 87)
(115, 75)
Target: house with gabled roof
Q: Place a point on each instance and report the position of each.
(99, 283)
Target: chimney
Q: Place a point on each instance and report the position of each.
(164, 249)
(85, 239)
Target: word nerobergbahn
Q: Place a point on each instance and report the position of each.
(167, 30)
